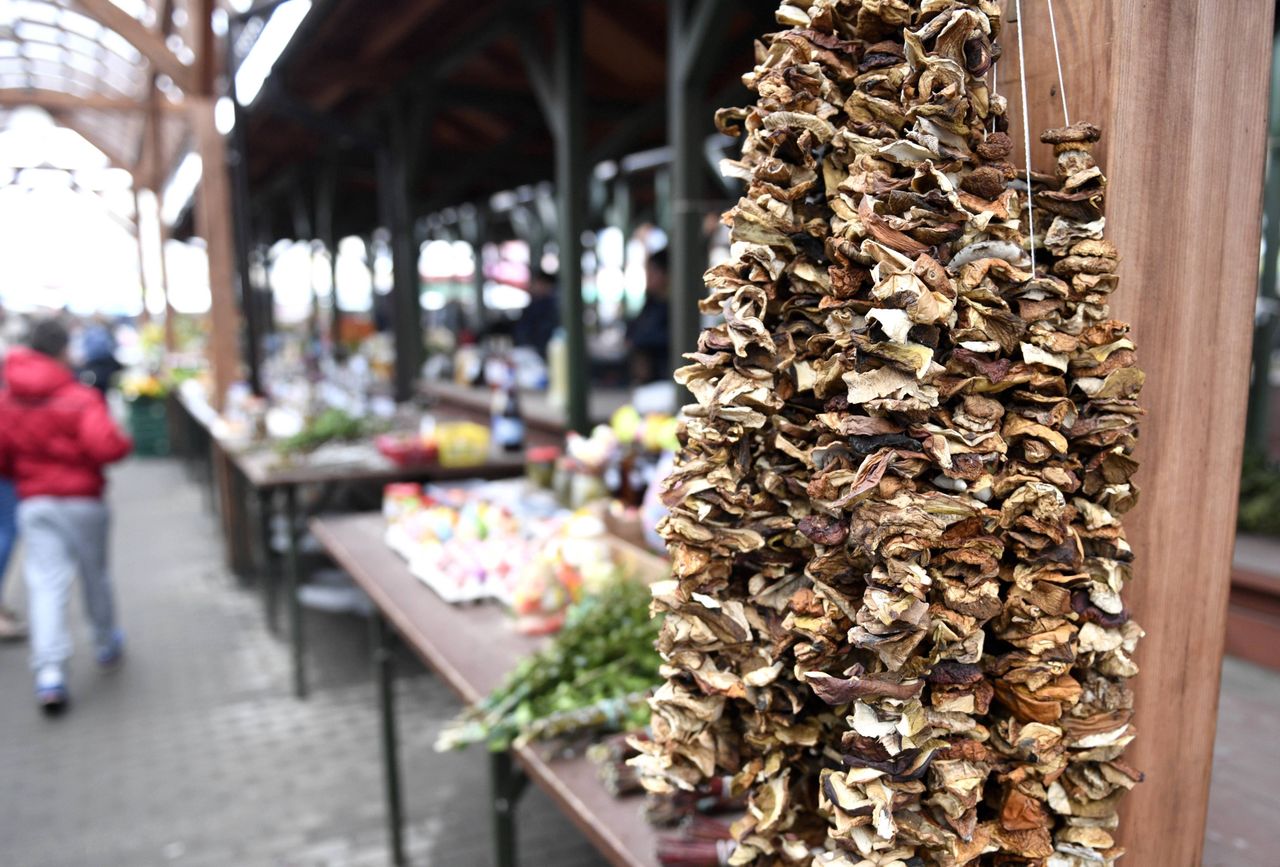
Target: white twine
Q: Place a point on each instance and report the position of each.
(1026, 136)
(995, 82)
(1057, 59)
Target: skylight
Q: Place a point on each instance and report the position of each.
(271, 43)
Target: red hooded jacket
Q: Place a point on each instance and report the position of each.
(56, 435)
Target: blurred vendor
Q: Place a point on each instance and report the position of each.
(541, 317)
(649, 335)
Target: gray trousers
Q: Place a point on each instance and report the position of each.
(63, 537)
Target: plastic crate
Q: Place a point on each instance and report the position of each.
(149, 426)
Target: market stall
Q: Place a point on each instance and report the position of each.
(472, 649)
(980, 247)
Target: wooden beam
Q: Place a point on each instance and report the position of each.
(394, 29)
(1180, 90)
(117, 158)
(148, 42)
(205, 46)
(213, 223)
(142, 252)
(56, 100)
(170, 315)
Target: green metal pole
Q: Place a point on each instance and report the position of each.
(1268, 327)
(394, 194)
(326, 200)
(571, 189)
(686, 249)
(293, 580)
(384, 670)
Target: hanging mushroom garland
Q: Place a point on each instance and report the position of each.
(896, 620)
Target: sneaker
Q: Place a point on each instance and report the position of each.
(11, 626)
(113, 654)
(51, 690)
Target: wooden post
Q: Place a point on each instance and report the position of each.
(170, 316)
(145, 317)
(1180, 91)
(153, 148)
(213, 223)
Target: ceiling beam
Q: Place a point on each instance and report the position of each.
(205, 45)
(117, 158)
(57, 100)
(148, 42)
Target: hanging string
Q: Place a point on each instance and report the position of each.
(1057, 59)
(995, 82)
(1026, 136)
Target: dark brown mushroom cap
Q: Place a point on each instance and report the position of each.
(997, 146)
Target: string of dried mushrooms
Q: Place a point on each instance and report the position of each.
(896, 619)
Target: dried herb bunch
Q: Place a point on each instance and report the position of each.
(896, 618)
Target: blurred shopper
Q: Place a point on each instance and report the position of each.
(99, 364)
(649, 334)
(11, 626)
(540, 319)
(56, 436)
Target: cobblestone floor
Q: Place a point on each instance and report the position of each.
(195, 755)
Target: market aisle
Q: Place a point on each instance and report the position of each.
(195, 755)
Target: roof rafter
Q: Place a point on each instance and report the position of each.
(117, 158)
(57, 100)
(148, 42)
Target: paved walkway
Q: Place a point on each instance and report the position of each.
(195, 755)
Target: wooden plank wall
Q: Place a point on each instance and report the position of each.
(1179, 88)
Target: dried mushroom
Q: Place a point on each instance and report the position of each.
(896, 621)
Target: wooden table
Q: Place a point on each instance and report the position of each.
(539, 413)
(472, 649)
(266, 475)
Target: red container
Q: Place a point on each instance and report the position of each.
(406, 450)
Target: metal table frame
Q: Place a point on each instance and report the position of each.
(265, 478)
(471, 666)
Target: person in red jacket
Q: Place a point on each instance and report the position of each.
(56, 436)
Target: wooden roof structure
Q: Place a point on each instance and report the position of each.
(472, 82)
(137, 80)
(105, 72)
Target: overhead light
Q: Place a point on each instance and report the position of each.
(181, 188)
(271, 43)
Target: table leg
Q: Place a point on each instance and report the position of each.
(243, 541)
(205, 467)
(507, 783)
(267, 574)
(292, 579)
(384, 670)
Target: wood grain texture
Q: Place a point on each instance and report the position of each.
(213, 223)
(1085, 29)
(1189, 129)
(1179, 88)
